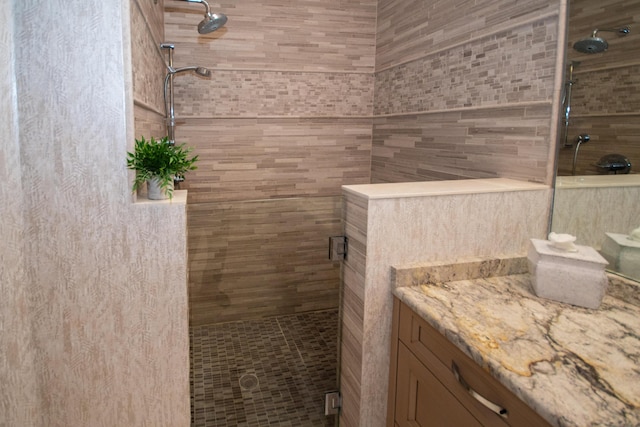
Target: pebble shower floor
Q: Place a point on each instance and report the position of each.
(267, 372)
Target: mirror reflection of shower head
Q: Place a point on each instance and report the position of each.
(595, 44)
(211, 21)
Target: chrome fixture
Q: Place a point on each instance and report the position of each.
(168, 90)
(211, 21)
(616, 163)
(566, 102)
(580, 140)
(595, 44)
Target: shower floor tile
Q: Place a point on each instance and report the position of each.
(268, 372)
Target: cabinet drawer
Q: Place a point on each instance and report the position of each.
(475, 388)
(424, 401)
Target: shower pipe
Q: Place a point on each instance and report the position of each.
(581, 139)
(567, 103)
(168, 97)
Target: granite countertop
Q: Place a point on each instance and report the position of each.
(572, 365)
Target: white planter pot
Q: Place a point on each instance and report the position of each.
(154, 192)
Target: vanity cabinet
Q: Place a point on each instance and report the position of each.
(433, 383)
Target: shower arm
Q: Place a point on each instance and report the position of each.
(621, 32)
(206, 5)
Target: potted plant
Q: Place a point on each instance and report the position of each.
(157, 162)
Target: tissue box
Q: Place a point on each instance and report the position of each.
(576, 278)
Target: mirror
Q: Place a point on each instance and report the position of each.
(598, 166)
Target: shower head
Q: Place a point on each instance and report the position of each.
(595, 44)
(591, 45)
(202, 71)
(211, 21)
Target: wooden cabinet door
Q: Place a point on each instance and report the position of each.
(421, 400)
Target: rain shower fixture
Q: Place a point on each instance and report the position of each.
(211, 21)
(595, 44)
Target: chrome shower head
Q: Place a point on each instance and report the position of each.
(211, 21)
(202, 71)
(205, 72)
(595, 44)
(591, 44)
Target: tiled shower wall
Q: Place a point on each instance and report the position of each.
(605, 101)
(464, 91)
(148, 63)
(283, 122)
(289, 115)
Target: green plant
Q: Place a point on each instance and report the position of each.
(161, 160)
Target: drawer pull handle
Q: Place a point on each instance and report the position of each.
(483, 400)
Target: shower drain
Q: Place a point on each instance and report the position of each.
(248, 382)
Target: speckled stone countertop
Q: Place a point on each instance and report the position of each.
(574, 366)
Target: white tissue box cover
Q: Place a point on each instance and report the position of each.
(576, 278)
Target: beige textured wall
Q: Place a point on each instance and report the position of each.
(19, 404)
(283, 122)
(590, 212)
(441, 62)
(105, 277)
(605, 102)
(391, 230)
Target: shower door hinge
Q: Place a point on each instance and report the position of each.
(332, 403)
(338, 246)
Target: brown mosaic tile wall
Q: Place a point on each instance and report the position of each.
(275, 93)
(610, 91)
(491, 71)
(305, 35)
(278, 68)
(476, 70)
(148, 66)
(148, 123)
(259, 258)
(409, 29)
(609, 134)
(605, 102)
(480, 143)
(283, 122)
(587, 15)
(248, 159)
